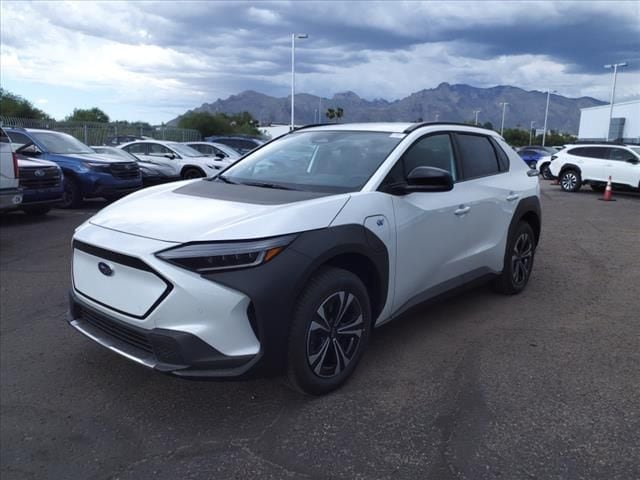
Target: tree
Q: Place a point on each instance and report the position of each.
(488, 125)
(339, 114)
(220, 123)
(88, 115)
(331, 113)
(12, 105)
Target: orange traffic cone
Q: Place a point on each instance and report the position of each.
(607, 197)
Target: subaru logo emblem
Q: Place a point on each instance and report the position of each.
(39, 173)
(105, 269)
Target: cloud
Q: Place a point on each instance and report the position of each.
(170, 56)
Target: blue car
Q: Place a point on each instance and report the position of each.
(86, 174)
(533, 153)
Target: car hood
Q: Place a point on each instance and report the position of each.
(33, 162)
(199, 210)
(88, 157)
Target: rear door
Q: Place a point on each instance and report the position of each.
(487, 190)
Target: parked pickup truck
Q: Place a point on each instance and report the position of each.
(10, 194)
(86, 174)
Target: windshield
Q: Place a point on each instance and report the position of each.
(61, 143)
(115, 152)
(230, 152)
(321, 161)
(185, 150)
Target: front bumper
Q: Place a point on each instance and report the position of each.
(168, 351)
(10, 198)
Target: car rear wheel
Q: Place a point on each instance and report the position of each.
(329, 332)
(570, 180)
(36, 211)
(192, 173)
(72, 197)
(518, 261)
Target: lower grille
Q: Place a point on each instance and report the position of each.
(125, 170)
(117, 330)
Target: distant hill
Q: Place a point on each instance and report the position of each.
(454, 103)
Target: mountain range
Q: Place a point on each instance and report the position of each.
(455, 103)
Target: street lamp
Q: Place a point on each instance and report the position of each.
(293, 71)
(531, 131)
(504, 109)
(546, 113)
(476, 112)
(613, 90)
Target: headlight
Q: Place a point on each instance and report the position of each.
(209, 257)
(98, 167)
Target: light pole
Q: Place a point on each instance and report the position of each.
(546, 114)
(437, 116)
(613, 91)
(476, 112)
(531, 131)
(293, 72)
(504, 109)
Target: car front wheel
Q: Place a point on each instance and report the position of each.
(72, 197)
(192, 173)
(329, 332)
(545, 172)
(570, 180)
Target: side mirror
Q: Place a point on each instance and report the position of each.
(29, 150)
(426, 179)
(170, 156)
(219, 156)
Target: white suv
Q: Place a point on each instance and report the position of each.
(288, 259)
(10, 192)
(180, 160)
(593, 164)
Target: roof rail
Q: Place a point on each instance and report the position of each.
(312, 125)
(595, 142)
(416, 126)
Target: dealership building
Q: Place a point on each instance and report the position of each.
(624, 125)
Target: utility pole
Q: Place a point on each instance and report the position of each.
(293, 73)
(613, 91)
(531, 131)
(504, 110)
(476, 112)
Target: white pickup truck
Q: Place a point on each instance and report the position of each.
(10, 193)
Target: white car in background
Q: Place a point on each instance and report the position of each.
(10, 193)
(593, 164)
(152, 173)
(180, 160)
(223, 155)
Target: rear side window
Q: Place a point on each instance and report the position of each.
(503, 160)
(139, 148)
(590, 152)
(477, 155)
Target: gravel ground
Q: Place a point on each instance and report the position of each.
(543, 385)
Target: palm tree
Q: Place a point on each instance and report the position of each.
(339, 114)
(331, 113)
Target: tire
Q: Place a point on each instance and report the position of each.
(36, 211)
(598, 188)
(570, 180)
(324, 352)
(518, 260)
(72, 197)
(192, 172)
(545, 172)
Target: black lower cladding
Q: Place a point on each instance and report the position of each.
(274, 287)
(176, 352)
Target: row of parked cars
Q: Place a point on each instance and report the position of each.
(44, 168)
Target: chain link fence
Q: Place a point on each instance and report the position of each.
(98, 133)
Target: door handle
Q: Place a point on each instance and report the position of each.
(512, 196)
(462, 210)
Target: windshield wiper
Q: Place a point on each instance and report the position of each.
(267, 185)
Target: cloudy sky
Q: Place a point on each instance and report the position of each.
(153, 60)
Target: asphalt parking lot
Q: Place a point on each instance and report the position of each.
(542, 385)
